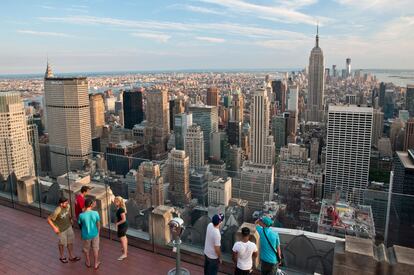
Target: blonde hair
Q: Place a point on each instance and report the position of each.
(121, 202)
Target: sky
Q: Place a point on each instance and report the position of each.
(120, 35)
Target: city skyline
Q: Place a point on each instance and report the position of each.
(203, 34)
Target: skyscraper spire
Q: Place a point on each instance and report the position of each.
(49, 72)
(317, 34)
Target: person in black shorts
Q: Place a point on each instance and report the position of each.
(122, 225)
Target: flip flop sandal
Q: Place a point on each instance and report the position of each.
(74, 259)
(88, 266)
(63, 260)
(97, 266)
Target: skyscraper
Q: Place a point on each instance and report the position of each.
(158, 122)
(409, 100)
(68, 111)
(348, 67)
(257, 174)
(377, 127)
(261, 146)
(213, 96)
(238, 106)
(279, 89)
(207, 118)
(348, 150)
(409, 135)
(234, 133)
(16, 154)
(259, 122)
(33, 139)
(314, 150)
(172, 113)
(179, 177)
(234, 160)
(334, 72)
(382, 89)
(97, 110)
(315, 103)
(279, 130)
(256, 184)
(150, 185)
(133, 109)
(402, 202)
(158, 110)
(194, 146)
(389, 104)
(181, 124)
(293, 98)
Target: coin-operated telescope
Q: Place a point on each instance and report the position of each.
(176, 226)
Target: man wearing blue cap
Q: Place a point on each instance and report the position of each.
(269, 246)
(212, 251)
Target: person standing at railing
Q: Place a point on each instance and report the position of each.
(80, 201)
(244, 254)
(269, 246)
(90, 225)
(121, 225)
(61, 222)
(212, 246)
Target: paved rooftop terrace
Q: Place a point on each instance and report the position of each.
(29, 246)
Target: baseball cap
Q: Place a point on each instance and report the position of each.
(218, 218)
(267, 221)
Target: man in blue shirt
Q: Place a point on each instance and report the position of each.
(269, 246)
(89, 221)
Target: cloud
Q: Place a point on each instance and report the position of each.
(379, 5)
(158, 37)
(286, 45)
(41, 33)
(93, 20)
(296, 4)
(278, 13)
(210, 39)
(197, 9)
(47, 7)
(217, 28)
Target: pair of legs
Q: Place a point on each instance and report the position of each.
(66, 239)
(94, 243)
(268, 268)
(124, 247)
(62, 251)
(211, 266)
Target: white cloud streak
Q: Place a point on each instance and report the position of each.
(210, 39)
(277, 13)
(379, 5)
(296, 4)
(41, 33)
(217, 28)
(198, 9)
(158, 37)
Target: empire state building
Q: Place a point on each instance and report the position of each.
(314, 106)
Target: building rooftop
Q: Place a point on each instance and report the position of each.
(407, 159)
(65, 78)
(347, 220)
(349, 108)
